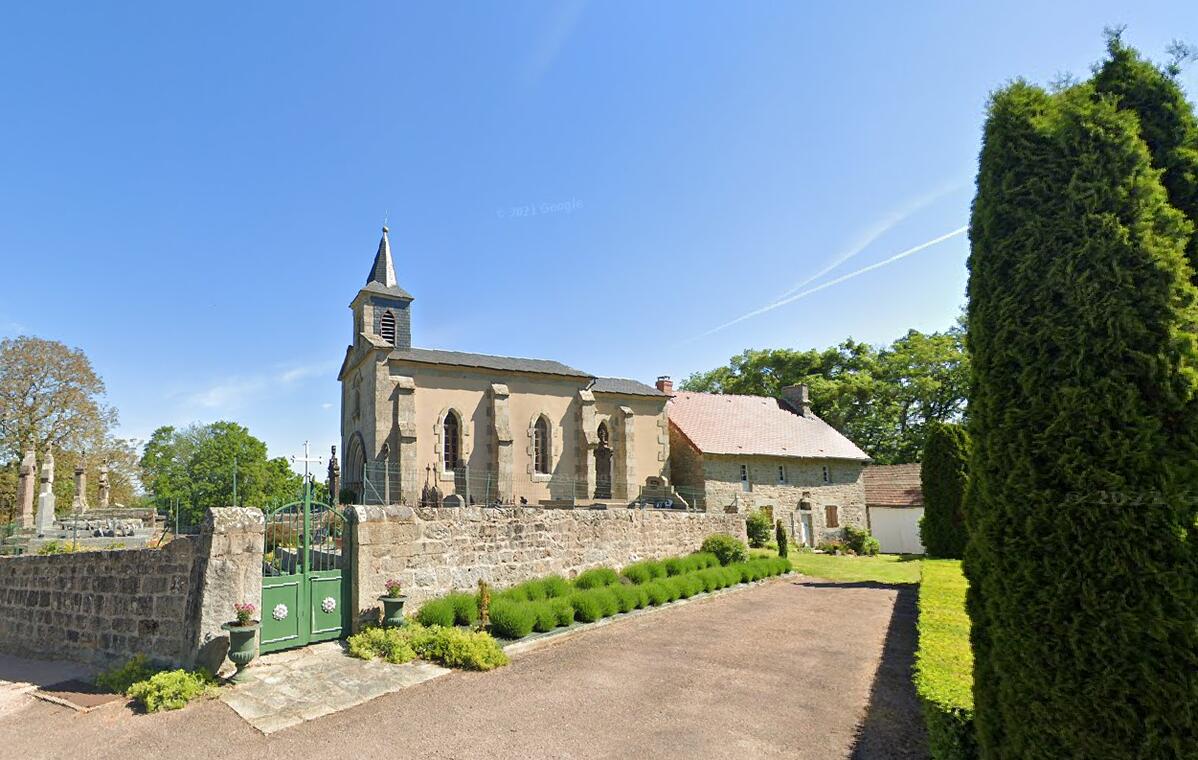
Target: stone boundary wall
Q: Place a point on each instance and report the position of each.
(432, 551)
(103, 607)
(100, 607)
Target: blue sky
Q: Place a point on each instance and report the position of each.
(193, 194)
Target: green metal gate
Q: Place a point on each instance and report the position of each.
(304, 575)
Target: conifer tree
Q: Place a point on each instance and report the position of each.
(943, 475)
(1082, 554)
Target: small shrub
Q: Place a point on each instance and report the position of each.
(455, 648)
(563, 609)
(596, 577)
(674, 566)
(607, 597)
(555, 586)
(587, 607)
(484, 604)
(388, 643)
(465, 608)
(860, 541)
(118, 680)
(544, 616)
(731, 575)
(726, 548)
(437, 612)
(657, 592)
(702, 560)
(511, 619)
(757, 526)
(627, 597)
(171, 690)
(831, 547)
(637, 572)
(711, 578)
(781, 539)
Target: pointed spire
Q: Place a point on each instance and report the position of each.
(383, 270)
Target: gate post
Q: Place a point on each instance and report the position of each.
(230, 571)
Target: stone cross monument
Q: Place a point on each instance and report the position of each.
(26, 490)
(45, 499)
(334, 479)
(105, 489)
(80, 502)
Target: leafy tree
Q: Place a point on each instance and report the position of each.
(1081, 329)
(880, 398)
(944, 473)
(194, 466)
(757, 528)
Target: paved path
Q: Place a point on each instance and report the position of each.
(795, 669)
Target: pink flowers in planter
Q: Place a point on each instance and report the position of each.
(245, 613)
(394, 589)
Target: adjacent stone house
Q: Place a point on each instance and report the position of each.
(739, 453)
(482, 428)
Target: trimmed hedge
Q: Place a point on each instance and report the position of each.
(465, 608)
(511, 619)
(439, 611)
(596, 577)
(1081, 509)
(943, 474)
(944, 662)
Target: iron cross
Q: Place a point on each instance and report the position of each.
(306, 458)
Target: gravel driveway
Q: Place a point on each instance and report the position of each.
(796, 669)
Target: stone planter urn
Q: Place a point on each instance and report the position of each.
(243, 645)
(393, 610)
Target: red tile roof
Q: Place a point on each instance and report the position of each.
(726, 424)
(893, 485)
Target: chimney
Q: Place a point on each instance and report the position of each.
(796, 396)
(665, 385)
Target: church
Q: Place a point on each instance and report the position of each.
(483, 429)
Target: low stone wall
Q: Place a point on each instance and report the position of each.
(100, 607)
(105, 606)
(433, 551)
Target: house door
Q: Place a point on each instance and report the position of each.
(805, 521)
(603, 472)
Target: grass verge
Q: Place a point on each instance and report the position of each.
(882, 568)
(944, 662)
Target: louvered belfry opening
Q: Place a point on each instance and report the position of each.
(387, 327)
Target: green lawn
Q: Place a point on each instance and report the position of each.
(883, 568)
(944, 662)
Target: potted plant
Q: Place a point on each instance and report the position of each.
(242, 637)
(393, 604)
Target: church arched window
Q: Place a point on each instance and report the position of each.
(452, 438)
(540, 446)
(387, 327)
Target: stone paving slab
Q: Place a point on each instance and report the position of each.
(287, 688)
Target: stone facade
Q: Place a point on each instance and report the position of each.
(712, 482)
(105, 606)
(434, 551)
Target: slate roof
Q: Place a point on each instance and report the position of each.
(382, 279)
(623, 385)
(485, 361)
(893, 485)
(727, 424)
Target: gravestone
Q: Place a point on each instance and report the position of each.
(80, 502)
(26, 490)
(45, 499)
(105, 489)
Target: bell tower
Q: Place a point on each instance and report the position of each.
(381, 308)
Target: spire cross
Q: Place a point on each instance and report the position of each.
(306, 458)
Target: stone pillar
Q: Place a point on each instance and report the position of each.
(590, 440)
(229, 570)
(105, 489)
(405, 423)
(502, 461)
(80, 502)
(26, 488)
(627, 482)
(45, 498)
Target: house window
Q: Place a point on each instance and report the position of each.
(452, 438)
(540, 446)
(827, 475)
(744, 478)
(782, 474)
(831, 519)
(387, 327)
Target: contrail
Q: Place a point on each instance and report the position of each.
(880, 228)
(837, 281)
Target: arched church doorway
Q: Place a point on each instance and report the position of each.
(603, 456)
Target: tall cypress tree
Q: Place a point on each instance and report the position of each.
(943, 474)
(1082, 555)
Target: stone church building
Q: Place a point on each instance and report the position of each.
(484, 428)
